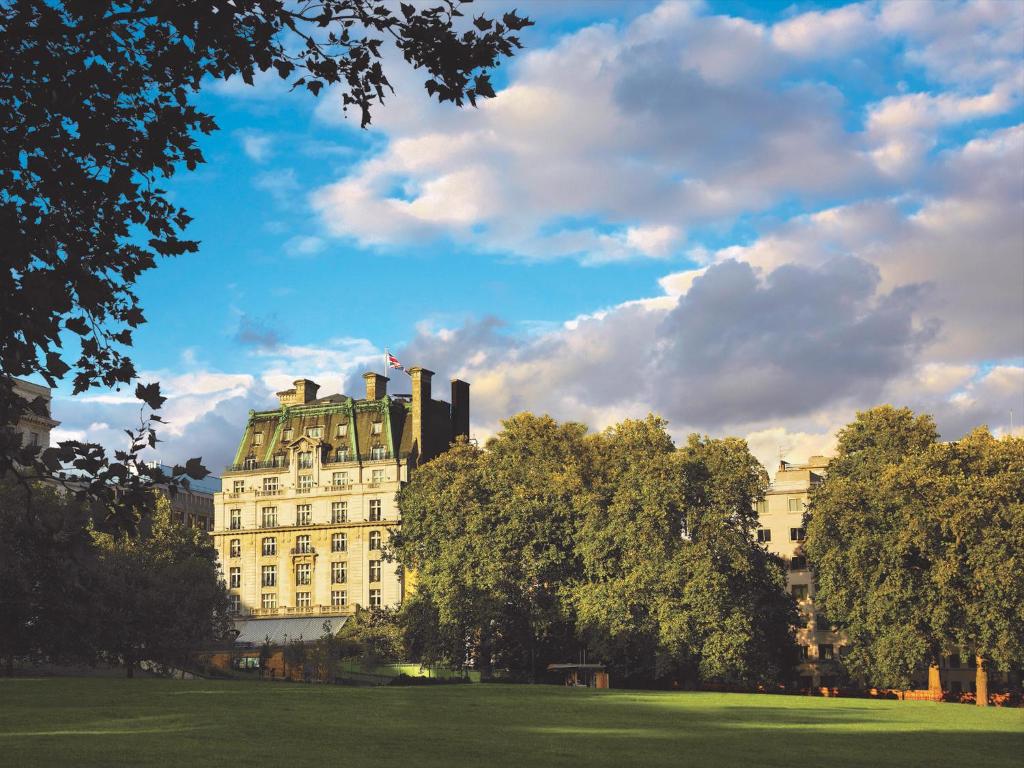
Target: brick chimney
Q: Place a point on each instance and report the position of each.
(420, 409)
(460, 408)
(376, 385)
(304, 392)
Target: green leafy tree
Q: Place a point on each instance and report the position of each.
(550, 541)
(99, 103)
(490, 535)
(160, 594)
(966, 498)
(875, 535)
(674, 584)
(47, 569)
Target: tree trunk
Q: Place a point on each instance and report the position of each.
(9, 667)
(981, 683)
(129, 665)
(934, 681)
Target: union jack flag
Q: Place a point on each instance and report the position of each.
(393, 361)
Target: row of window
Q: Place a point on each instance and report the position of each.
(315, 432)
(304, 514)
(795, 504)
(764, 535)
(268, 600)
(339, 543)
(303, 574)
(272, 485)
(826, 651)
(305, 458)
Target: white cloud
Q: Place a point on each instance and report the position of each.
(304, 246)
(257, 146)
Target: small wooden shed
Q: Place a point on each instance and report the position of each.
(581, 675)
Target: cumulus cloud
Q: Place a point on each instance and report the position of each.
(676, 119)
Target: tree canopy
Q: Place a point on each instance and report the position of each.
(550, 541)
(917, 545)
(99, 99)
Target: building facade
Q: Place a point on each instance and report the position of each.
(192, 506)
(781, 530)
(309, 502)
(33, 427)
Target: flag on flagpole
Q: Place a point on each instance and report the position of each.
(393, 361)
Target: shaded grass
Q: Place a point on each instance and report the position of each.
(102, 722)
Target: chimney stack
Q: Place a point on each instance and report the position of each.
(420, 409)
(376, 385)
(460, 408)
(304, 392)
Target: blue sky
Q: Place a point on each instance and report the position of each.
(752, 218)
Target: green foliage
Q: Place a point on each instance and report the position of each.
(551, 540)
(160, 595)
(917, 545)
(372, 636)
(47, 570)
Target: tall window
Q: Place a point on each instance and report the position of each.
(795, 505)
(269, 600)
(377, 476)
(304, 514)
(268, 576)
(302, 600)
(234, 604)
(339, 573)
(339, 511)
(286, 434)
(280, 460)
(825, 651)
(302, 545)
(235, 578)
(269, 546)
(339, 478)
(257, 438)
(236, 519)
(339, 542)
(805, 653)
(269, 517)
(305, 483)
(375, 570)
(375, 514)
(375, 598)
(798, 563)
(797, 534)
(799, 591)
(374, 540)
(305, 459)
(303, 574)
(339, 598)
(764, 535)
(270, 485)
(236, 548)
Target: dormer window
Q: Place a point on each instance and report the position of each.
(250, 462)
(341, 454)
(305, 459)
(287, 434)
(315, 432)
(257, 438)
(377, 428)
(342, 430)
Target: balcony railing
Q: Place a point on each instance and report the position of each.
(268, 492)
(250, 465)
(303, 550)
(327, 610)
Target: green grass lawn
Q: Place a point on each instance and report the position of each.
(105, 722)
